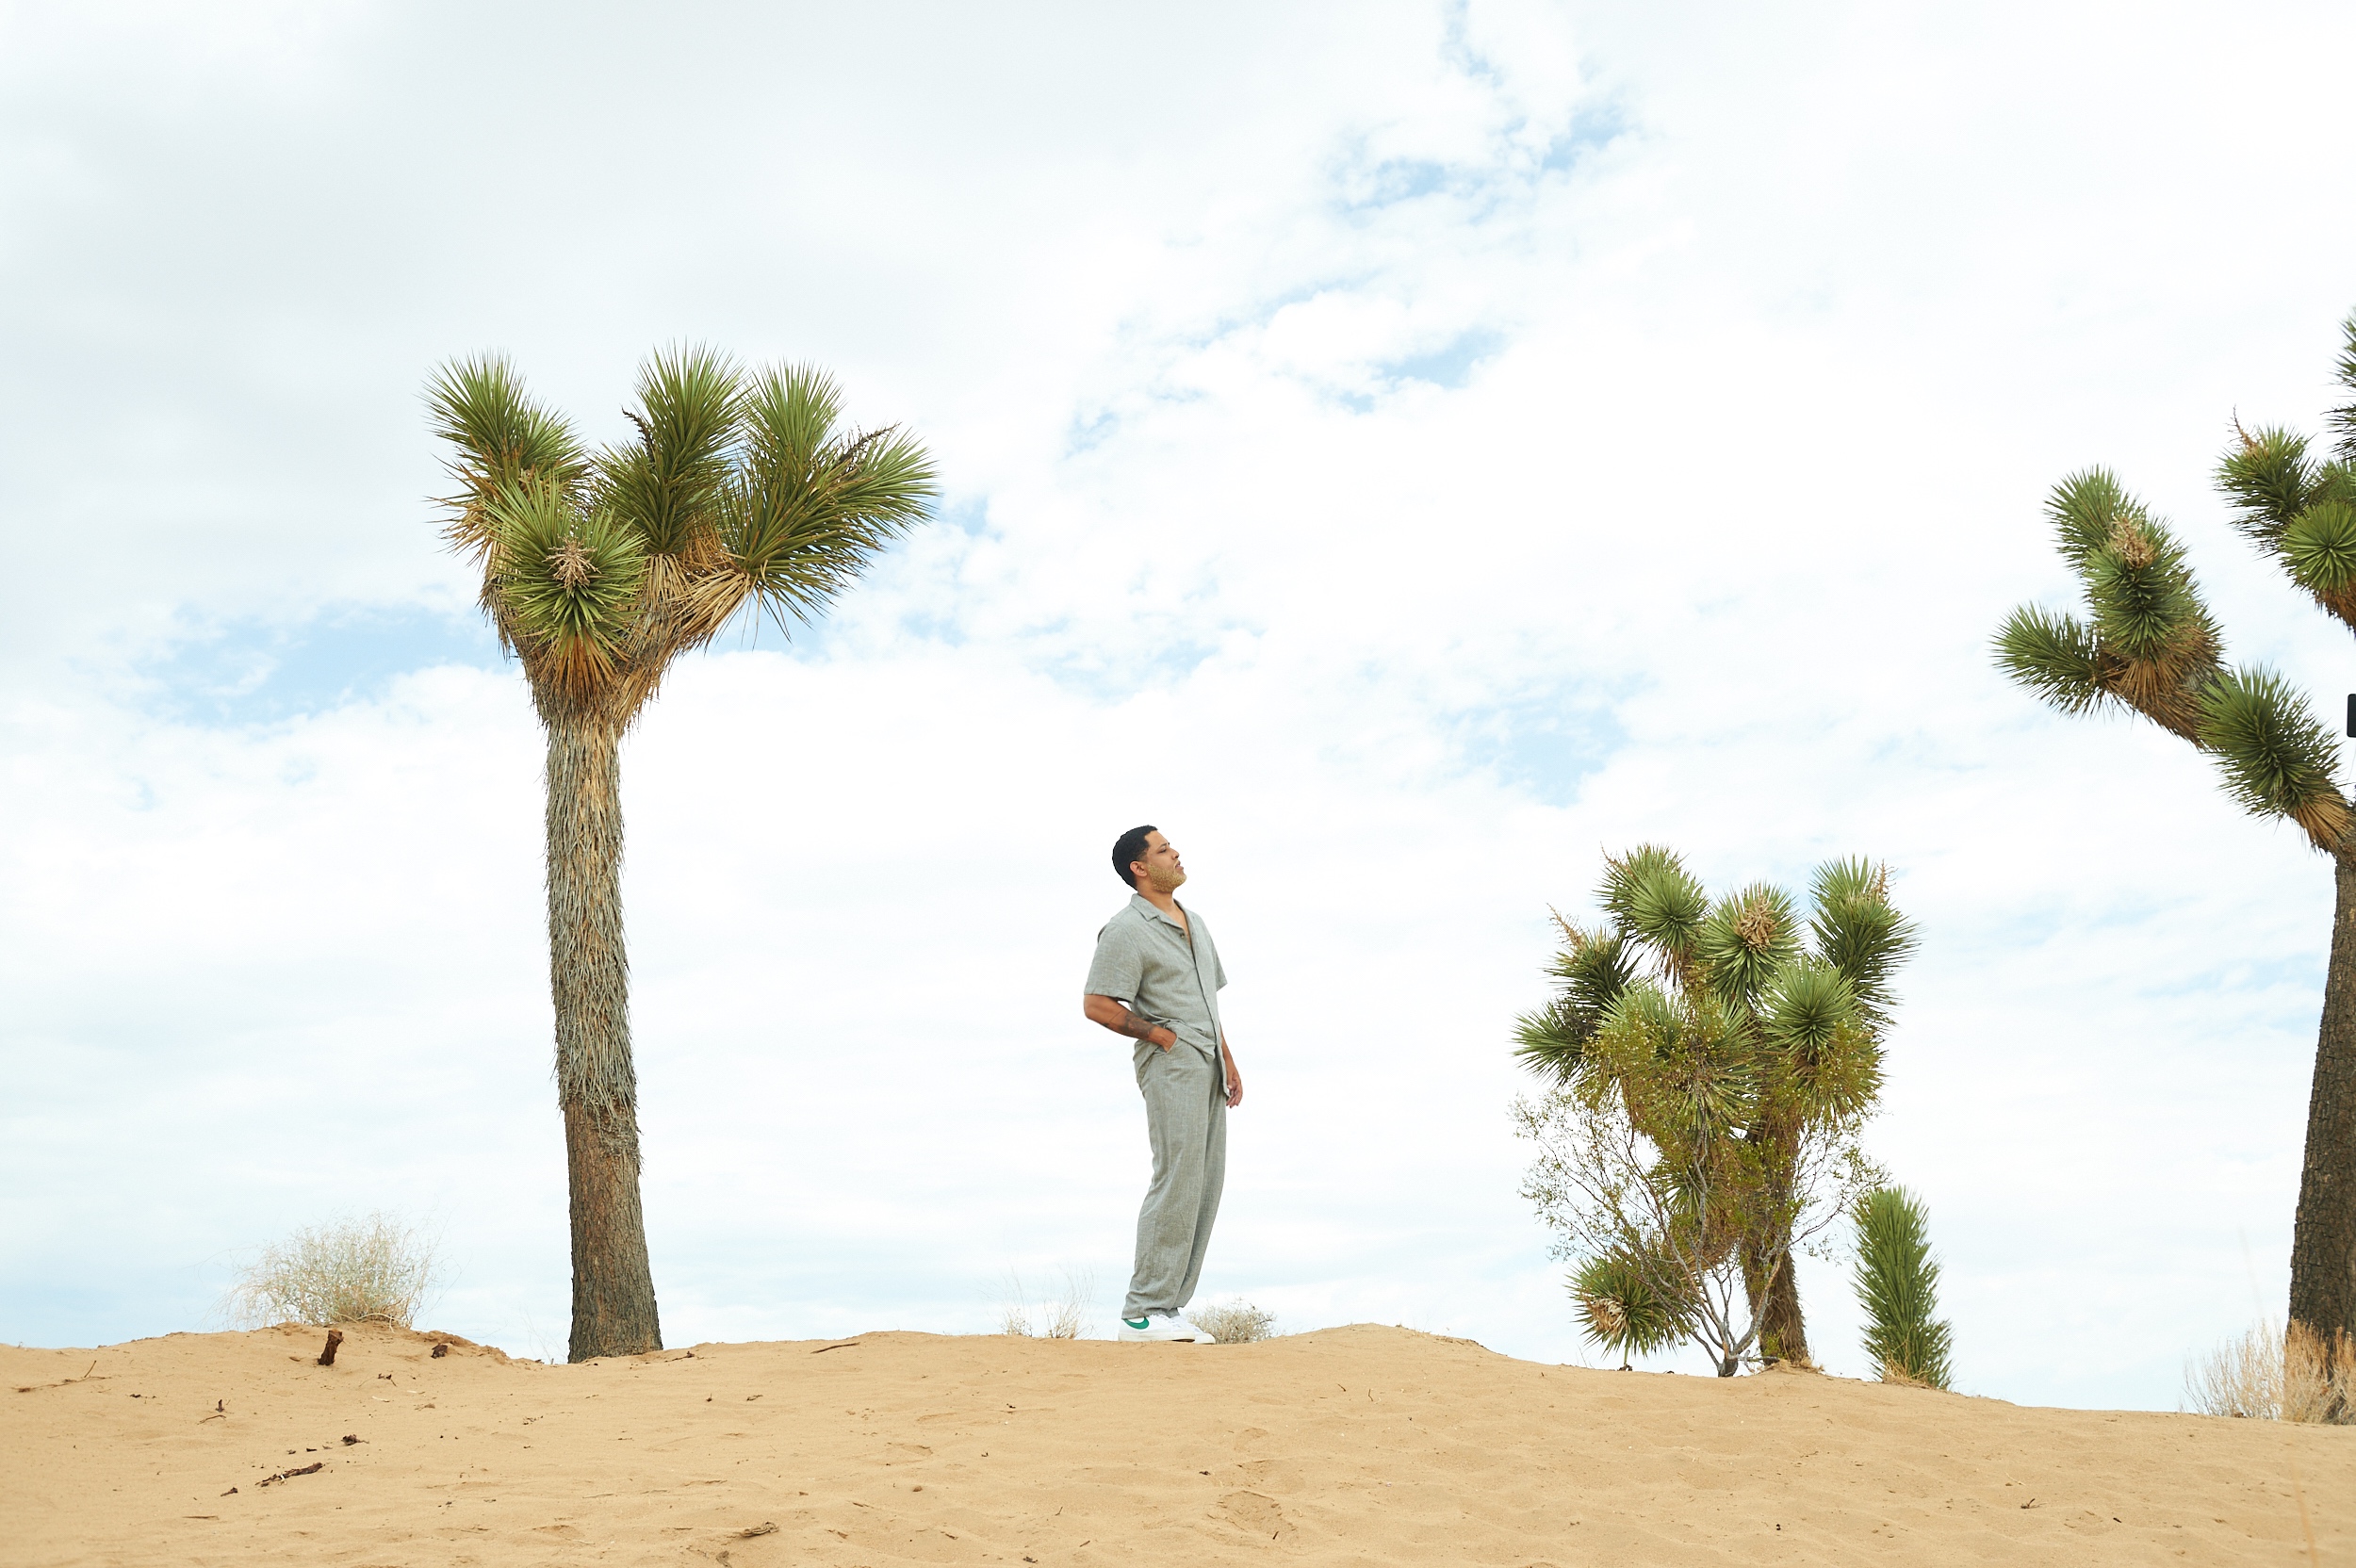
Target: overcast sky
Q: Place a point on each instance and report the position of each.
(1404, 450)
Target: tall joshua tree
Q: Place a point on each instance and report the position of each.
(599, 569)
(2148, 643)
(1797, 1006)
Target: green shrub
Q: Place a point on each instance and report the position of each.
(1897, 1283)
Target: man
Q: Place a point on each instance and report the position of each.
(1155, 979)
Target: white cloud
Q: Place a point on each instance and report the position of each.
(1752, 345)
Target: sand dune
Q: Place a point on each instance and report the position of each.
(1360, 1446)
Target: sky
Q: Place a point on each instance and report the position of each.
(1406, 451)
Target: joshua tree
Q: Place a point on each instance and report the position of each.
(1646, 1172)
(1789, 1041)
(1897, 1284)
(599, 569)
(2148, 644)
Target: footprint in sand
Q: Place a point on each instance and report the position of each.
(1260, 1515)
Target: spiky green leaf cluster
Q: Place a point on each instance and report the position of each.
(568, 575)
(2276, 759)
(498, 435)
(1686, 1068)
(599, 569)
(1828, 1062)
(2054, 656)
(1748, 937)
(1591, 970)
(667, 482)
(1621, 1304)
(2148, 642)
(2299, 511)
(2297, 508)
(1860, 933)
(811, 510)
(1654, 901)
(1897, 1284)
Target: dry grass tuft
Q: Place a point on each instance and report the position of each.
(2267, 1374)
(1235, 1322)
(1895, 1372)
(2319, 1377)
(1067, 1318)
(371, 1270)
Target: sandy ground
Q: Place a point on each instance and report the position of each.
(1349, 1445)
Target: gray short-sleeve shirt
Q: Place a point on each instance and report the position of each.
(1144, 958)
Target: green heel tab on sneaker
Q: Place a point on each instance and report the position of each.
(1139, 1323)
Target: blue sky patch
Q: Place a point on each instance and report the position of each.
(251, 671)
(1451, 363)
(1547, 743)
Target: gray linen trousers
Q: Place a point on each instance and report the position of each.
(1146, 959)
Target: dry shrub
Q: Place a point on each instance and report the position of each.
(1233, 1322)
(1067, 1318)
(1893, 1371)
(2319, 1376)
(370, 1270)
(2267, 1373)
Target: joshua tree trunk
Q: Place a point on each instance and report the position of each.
(613, 1310)
(2323, 1245)
(1782, 1331)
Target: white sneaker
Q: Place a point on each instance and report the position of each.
(1160, 1327)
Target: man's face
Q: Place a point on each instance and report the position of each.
(1161, 868)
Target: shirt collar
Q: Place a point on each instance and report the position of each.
(1146, 907)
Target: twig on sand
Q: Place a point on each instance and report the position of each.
(335, 1339)
(767, 1527)
(823, 1348)
(288, 1475)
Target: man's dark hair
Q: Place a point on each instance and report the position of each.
(1127, 850)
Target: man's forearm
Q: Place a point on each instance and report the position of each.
(1108, 1012)
(1136, 1026)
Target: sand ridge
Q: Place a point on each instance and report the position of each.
(1360, 1444)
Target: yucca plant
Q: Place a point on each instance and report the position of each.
(2147, 643)
(1622, 1307)
(599, 569)
(1897, 1284)
(1778, 1016)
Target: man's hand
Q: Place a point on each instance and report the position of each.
(1235, 1077)
(1120, 1021)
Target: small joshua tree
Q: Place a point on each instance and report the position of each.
(1897, 1284)
(1775, 1016)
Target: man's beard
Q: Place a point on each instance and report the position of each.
(1166, 879)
